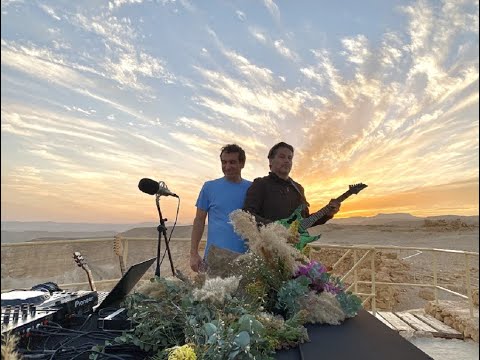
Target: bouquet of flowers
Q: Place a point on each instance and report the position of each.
(258, 307)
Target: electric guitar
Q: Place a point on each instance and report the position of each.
(301, 224)
(119, 251)
(81, 262)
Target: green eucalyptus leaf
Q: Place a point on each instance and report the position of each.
(212, 339)
(233, 354)
(242, 339)
(210, 329)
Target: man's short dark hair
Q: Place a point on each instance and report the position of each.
(273, 150)
(234, 148)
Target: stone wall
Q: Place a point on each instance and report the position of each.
(25, 266)
(457, 315)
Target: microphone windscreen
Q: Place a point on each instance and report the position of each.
(148, 186)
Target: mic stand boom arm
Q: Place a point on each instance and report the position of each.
(162, 230)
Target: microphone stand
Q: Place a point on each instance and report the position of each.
(162, 230)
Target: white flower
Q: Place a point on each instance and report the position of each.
(217, 289)
(323, 308)
(268, 242)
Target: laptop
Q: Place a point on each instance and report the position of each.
(124, 286)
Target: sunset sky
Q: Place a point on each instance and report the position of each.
(97, 95)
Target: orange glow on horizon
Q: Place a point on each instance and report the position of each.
(450, 199)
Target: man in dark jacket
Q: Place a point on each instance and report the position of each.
(276, 196)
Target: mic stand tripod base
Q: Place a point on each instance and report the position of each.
(162, 230)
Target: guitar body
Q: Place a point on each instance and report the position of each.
(302, 224)
(304, 236)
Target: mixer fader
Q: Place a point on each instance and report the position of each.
(23, 310)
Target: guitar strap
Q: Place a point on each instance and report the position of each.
(298, 191)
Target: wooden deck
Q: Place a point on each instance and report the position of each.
(404, 321)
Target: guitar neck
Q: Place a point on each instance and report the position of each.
(119, 250)
(312, 219)
(122, 264)
(90, 280)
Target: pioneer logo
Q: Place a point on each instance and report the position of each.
(84, 302)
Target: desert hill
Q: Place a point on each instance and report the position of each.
(182, 231)
(23, 236)
(400, 219)
(14, 231)
(52, 226)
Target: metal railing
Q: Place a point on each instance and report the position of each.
(372, 251)
(353, 271)
(85, 241)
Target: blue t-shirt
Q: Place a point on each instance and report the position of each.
(219, 198)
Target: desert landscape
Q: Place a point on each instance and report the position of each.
(50, 258)
(25, 264)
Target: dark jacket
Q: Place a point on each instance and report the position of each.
(272, 198)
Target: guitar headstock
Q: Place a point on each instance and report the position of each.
(118, 245)
(356, 188)
(80, 260)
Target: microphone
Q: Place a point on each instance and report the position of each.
(152, 187)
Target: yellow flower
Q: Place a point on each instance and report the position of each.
(294, 228)
(184, 352)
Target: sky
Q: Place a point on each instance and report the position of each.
(96, 95)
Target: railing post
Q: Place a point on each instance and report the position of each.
(374, 294)
(355, 273)
(469, 288)
(435, 289)
(125, 253)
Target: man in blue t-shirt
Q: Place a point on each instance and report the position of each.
(217, 199)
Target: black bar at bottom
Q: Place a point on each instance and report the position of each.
(361, 337)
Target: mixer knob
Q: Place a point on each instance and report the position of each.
(24, 310)
(6, 317)
(16, 312)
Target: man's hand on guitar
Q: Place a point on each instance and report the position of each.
(334, 207)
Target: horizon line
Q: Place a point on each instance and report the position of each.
(152, 221)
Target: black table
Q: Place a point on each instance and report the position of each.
(361, 337)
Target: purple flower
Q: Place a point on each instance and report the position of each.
(312, 270)
(331, 288)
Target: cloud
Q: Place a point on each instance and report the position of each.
(44, 65)
(44, 123)
(50, 11)
(127, 67)
(125, 61)
(285, 51)
(257, 105)
(391, 50)
(249, 70)
(7, 3)
(240, 15)
(356, 49)
(272, 9)
(258, 34)
(398, 110)
(221, 136)
(119, 3)
(384, 130)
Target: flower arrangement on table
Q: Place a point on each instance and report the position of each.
(259, 307)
